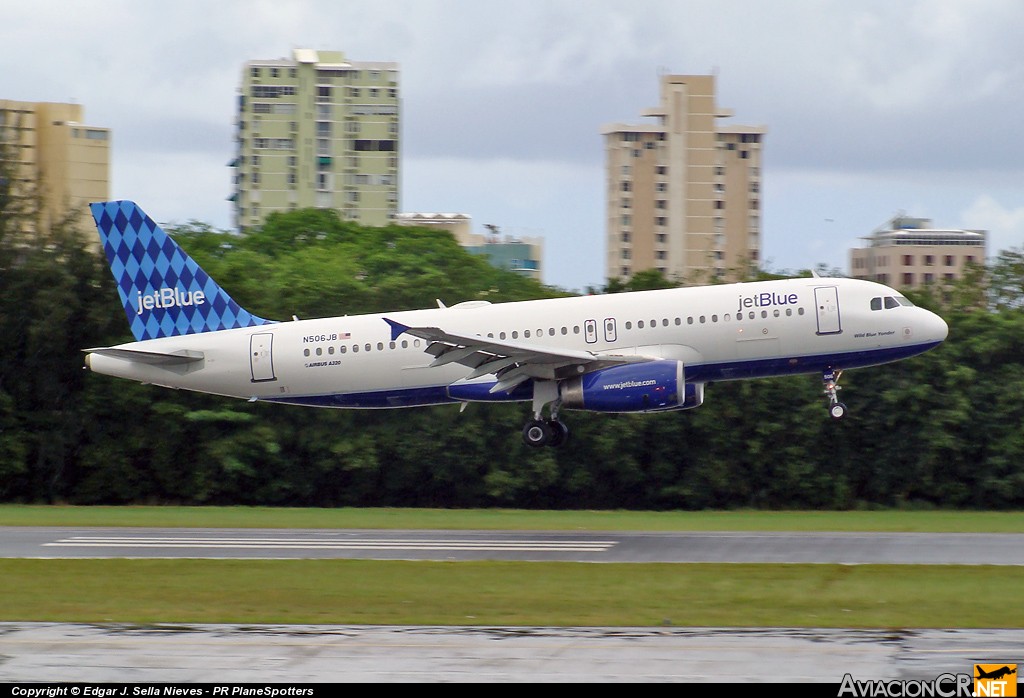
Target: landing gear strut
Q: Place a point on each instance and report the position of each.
(836, 409)
(538, 431)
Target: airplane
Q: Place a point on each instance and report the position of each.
(645, 351)
(994, 674)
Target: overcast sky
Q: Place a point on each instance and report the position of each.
(872, 107)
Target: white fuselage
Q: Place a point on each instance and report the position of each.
(722, 332)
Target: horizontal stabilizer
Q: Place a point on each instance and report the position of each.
(152, 358)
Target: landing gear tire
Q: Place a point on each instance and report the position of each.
(559, 433)
(537, 433)
(837, 410)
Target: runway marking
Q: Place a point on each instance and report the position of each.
(306, 544)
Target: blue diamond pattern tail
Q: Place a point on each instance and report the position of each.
(164, 291)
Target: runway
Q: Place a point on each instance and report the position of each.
(620, 547)
(313, 654)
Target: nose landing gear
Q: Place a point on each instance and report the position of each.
(836, 409)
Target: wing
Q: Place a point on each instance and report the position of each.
(512, 363)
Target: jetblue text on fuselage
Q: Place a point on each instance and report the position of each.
(168, 298)
(766, 299)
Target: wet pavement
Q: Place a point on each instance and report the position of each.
(382, 654)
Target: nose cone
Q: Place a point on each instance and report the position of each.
(935, 328)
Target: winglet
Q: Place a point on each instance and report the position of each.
(397, 328)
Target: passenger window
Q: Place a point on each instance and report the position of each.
(640, 324)
(876, 303)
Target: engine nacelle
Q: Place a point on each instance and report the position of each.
(646, 387)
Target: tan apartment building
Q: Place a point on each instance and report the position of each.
(56, 158)
(907, 252)
(684, 193)
(317, 131)
(523, 255)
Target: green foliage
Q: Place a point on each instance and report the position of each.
(940, 430)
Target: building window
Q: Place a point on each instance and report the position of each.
(908, 279)
(908, 260)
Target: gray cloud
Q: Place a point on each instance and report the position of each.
(918, 93)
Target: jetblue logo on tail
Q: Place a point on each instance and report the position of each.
(168, 298)
(164, 292)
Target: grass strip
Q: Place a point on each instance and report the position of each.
(512, 519)
(368, 592)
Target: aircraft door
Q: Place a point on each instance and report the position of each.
(590, 331)
(610, 335)
(826, 304)
(261, 360)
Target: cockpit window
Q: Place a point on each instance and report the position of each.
(890, 302)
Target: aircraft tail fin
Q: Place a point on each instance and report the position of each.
(164, 292)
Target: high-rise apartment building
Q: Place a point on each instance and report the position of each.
(55, 161)
(317, 131)
(684, 192)
(909, 252)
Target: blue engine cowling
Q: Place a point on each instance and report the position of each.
(646, 387)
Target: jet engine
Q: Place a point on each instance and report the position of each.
(646, 387)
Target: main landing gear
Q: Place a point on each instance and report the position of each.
(538, 431)
(836, 409)
(545, 432)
